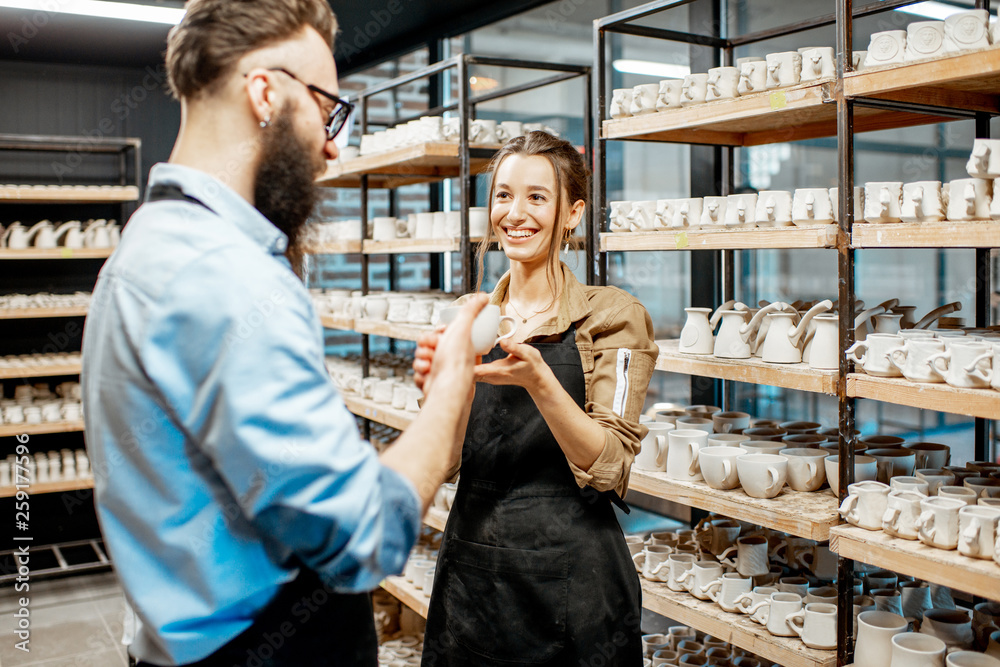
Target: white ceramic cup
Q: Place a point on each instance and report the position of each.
(913, 649)
(985, 159)
(773, 613)
(937, 525)
(883, 201)
(886, 48)
(977, 528)
(669, 94)
(722, 83)
(644, 99)
(753, 77)
(816, 625)
(876, 629)
(509, 129)
(875, 358)
(819, 63)
(682, 454)
(922, 202)
(713, 212)
(485, 328)
(741, 210)
(924, 39)
(653, 449)
(762, 475)
(964, 364)
(912, 360)
(806, 471)
(969, 199)
(687, 212)
(811, 206)
(966, 31)
(718, 466)
(725, 590)
(774, 208)
(783, 69)
(865, 504)
(694, 90)
(901, 514)
(697, 579)
(621, 103)
(751, 558)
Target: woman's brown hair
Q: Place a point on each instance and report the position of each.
(572, 178)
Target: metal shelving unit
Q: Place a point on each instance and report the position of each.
(956, 87)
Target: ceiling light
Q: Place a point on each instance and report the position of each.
(648, 68)
(932, 9)
(102, 9)
(481, 83)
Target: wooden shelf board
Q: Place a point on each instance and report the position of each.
(420, 163)
(334, 248)
(26, 194)
(7, 430)
(969, 81)
(916, 559)
(56, 253)
(378, 412)
(335, 322)
(806, 514)
(404, 246)
(436, 518)
(753, 371)
(735, 628)
(978, 234)
(397, 330)
(39, 371)
(940, 397)
(817, 236)
(37, 313)
(50, 487)
(407, 593)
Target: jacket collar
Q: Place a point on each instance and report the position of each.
(573, 304)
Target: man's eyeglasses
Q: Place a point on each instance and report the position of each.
(340, 113)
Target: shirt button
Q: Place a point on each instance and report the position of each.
(281, 245)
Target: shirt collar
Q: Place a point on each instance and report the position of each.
(224, 201)
(573, 304)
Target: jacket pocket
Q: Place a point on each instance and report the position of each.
(507, 605)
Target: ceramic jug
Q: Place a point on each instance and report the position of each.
(822, 349)
(70, 234)
(734, 334)
(19, 237)
(783, 344)
(696, 336)
(45, 236)
(888, 322)
(96, 235)
(862, 322)
(938, 312)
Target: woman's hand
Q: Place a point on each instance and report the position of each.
(523, 366)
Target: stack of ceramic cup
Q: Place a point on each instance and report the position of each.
(402, 650)
(44, 300)
(39, 404)
(946, 507)
(14, 361)
(421, 565)
(436, 225)
(768, 208)
(966, 359)
(682, 646)
(65, 465)
(390, 381)
(944, 638)
(435, 128)
(751, 75)
(961, 32)
(419, 308)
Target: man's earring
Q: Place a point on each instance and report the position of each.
(264, 123)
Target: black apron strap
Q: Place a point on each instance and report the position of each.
(171, 192)
(306, 625)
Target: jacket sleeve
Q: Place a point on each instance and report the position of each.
(624, 356)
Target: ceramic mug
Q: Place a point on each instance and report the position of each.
(774, 208)
(653, 562)
(682, 454)
(876, 629)
(816, 625)
(716, 535)
(713, 211)
(750, 599)
(865, 504)
(877, 348)
(912, 359)
(664, 216)
(937, 525)
(964, 364)
(722, 83)
(922, 202)
(694, 90)
(753, 77)
(621, 103)
(678, 564)
(969, 199)
(653, 449)
(806, 471)
(886, 48)
(924, 39)
(644, 99)
(953, 627)
(819, 63)
(762, 475)
(718, 466)
(669, 94)
(883, 201)
(697, 579)
(751, 556)
(966, 31)
(812, 206)
(783, 69)
(985, 159)
(977, 527)
(687, 212)
(485, 326)
(901, 514)
(773, 613)
(919, 650)
(741, 210)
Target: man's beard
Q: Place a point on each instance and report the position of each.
(284, 190)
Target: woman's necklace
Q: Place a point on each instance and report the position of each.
(524, 320)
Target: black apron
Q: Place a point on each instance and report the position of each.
(533, 570)
(306, 624)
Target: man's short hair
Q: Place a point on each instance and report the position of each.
(214, 34)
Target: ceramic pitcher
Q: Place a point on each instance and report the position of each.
(696, 336)
(783, 344)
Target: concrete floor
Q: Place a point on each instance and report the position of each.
(75, 622)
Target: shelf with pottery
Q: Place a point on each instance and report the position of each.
(407, 593)
(804, 111)
(966, 81)
(436, 518)
(68, 194)
(378, 412)
(419, 163)
(913, 558)
(397, 330)
(753, 371)
(804, 514)
(39, 371)
(7, 430)
(38, 313)
(813, 236)
(974, 234)
(939, 397)
(404, 246)
(50, 487)
(738, 629)
(55, 253)
(333, 248)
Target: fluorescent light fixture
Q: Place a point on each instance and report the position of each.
(648, 68)
(932, 9)
(101, 9)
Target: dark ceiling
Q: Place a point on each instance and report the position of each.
(371, 31)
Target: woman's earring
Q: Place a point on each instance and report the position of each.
(566, 247)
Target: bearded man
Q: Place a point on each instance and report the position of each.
(245, 515)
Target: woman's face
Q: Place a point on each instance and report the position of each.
(523, 210)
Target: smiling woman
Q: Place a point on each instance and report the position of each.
(551, 436)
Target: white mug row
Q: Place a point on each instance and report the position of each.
(962, 31)
(26, 393)
(969, 361)
(39, 360)
(41, 412)
(397, 307)
(45, 300)
(64, 465)
(72, 234)
(436, 128)
(436, 225)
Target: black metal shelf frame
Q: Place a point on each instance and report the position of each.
(622, 23)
